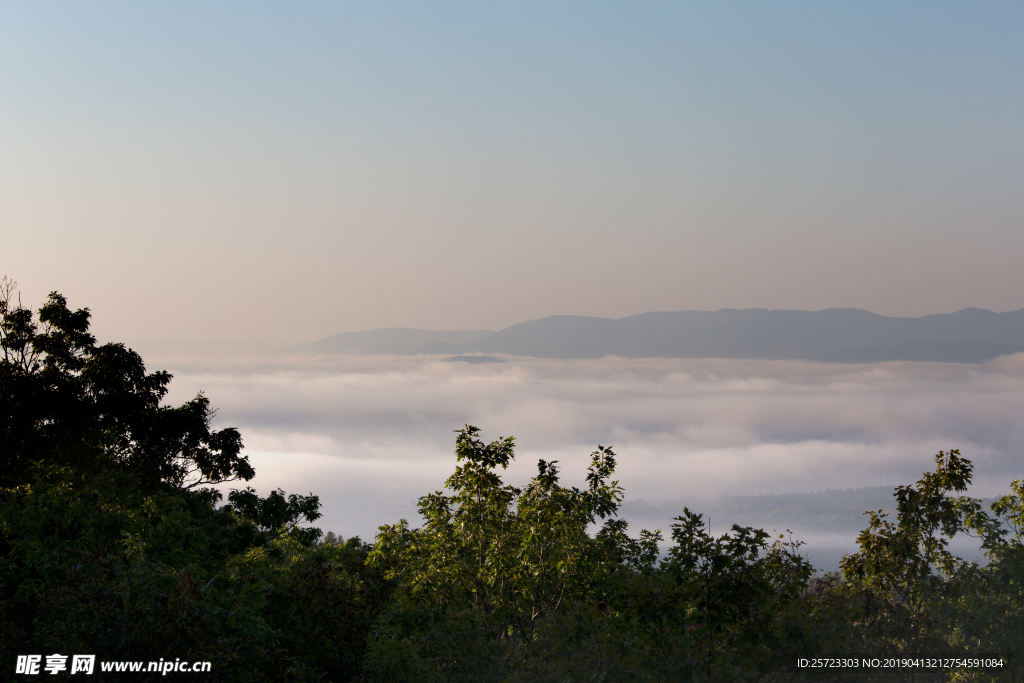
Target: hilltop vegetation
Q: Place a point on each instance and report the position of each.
(114, 542)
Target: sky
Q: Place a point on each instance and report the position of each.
(255, 175)
(281, 172)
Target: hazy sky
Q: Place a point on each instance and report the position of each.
(285, 171)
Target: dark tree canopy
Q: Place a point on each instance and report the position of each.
(66, 401)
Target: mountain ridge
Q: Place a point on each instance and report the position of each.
(852, 335)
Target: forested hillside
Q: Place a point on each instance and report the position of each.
(114, 542)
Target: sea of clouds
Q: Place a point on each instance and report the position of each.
(370, 434)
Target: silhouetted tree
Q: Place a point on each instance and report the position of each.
(64, 400)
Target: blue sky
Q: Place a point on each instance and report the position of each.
(285, 171)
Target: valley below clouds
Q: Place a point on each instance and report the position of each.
(370, 434)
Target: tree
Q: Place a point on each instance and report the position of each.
(907, 594)
(111, 542)
(65, 400)
(904, 569)
(497, 561)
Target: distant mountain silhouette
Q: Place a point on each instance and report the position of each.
(848, 335)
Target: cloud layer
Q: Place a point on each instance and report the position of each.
(371, 434)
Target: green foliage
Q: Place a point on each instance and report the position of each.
(986, 613)
(907, 594)
(515, 577)
(500, 559)
(97, 564)
(903, 568)
(737, 596)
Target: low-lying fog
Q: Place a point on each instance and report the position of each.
(370, 434)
